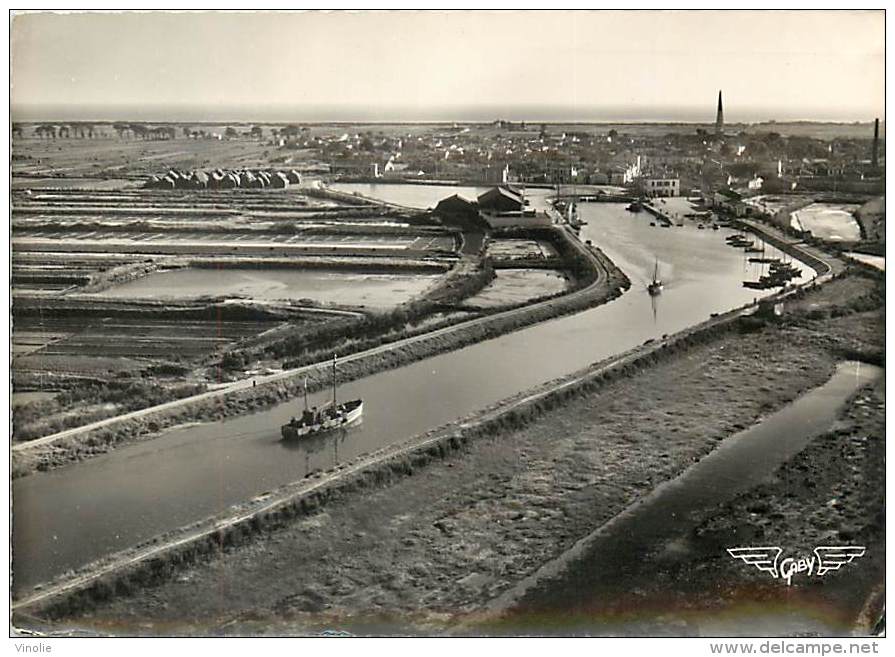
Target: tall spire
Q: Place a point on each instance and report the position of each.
(875, 154)
(719, 119)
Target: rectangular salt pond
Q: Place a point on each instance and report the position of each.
(515, 286)
(827, 221)
(371, 290)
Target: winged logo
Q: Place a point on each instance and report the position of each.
(763, 558)
(833, 557)
(826, 558)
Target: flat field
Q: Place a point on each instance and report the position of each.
(110, 157)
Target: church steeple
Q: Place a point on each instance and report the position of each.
(719, 119)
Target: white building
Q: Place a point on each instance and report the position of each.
(661, 186)
(632, 171)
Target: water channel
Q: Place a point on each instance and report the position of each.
(609, 559)
(68, 517)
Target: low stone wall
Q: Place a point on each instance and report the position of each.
(815, 263)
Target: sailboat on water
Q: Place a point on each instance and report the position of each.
(331, 415)
(656, 285)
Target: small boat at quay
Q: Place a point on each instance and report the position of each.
(740, 244)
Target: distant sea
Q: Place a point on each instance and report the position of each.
(321, 114)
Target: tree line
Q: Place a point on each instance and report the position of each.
(142, 131)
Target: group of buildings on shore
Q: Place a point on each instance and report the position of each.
(225, 179)
(499, 207)
(647, 161)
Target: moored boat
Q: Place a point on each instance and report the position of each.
(740, 244)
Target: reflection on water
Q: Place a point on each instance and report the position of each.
(68, 517)
(324, 447)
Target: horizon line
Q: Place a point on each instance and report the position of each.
(482, 114)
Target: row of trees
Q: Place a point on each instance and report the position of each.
(67, 131)
(89, 131)
(141, 131)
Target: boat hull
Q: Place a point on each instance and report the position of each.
(346, 414)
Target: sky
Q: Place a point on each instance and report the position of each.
(435, 65)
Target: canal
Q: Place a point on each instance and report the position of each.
(65, 518)
(621, 553)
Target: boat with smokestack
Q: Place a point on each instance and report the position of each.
(314, 420)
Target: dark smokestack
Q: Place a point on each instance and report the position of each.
(875, 158)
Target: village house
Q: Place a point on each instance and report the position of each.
(729, 201)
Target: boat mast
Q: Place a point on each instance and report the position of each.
(334, 381)
(306, 393)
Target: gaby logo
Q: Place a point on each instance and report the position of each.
(825, 559)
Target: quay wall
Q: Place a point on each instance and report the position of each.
(818, 265)
(657, 213)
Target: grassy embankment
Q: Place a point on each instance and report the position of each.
(420, 553)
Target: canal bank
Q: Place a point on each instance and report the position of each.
(153, 561)
(426, 547)
(224, 463)
(593, 587)
(145, 564)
